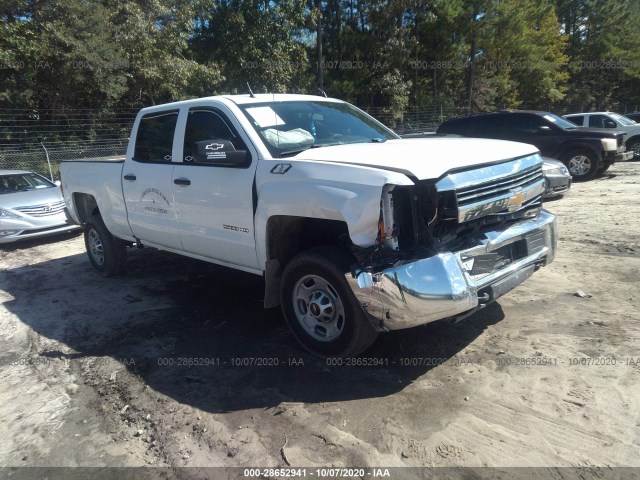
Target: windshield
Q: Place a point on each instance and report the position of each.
(21, 182)
(622, 119)
(288, 128)
(559, 121)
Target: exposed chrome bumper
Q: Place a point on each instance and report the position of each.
(616, 157)
(447, 285)
(625, 156)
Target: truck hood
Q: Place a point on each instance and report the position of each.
(421, 158)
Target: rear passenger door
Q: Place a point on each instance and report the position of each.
(147, 181)
(215, 202)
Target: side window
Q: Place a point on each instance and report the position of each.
(204, 124)
(489, 126)
(578, 120)
(519, 123)
(524, 123)
(601, 121)
(456, 126)
(154, 140)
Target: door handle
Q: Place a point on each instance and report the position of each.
(182, 181)
(130, 177)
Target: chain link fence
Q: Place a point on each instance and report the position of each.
(416, 119)
(45, 158)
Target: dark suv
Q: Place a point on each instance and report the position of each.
(584, 151)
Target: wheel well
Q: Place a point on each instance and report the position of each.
(85, 206)
(588, 148)
(287, 236)
(632, 139)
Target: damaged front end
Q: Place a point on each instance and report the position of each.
(449, 247)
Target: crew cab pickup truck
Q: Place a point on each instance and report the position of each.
(586, 152)
(354, 230)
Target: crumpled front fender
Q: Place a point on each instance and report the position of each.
(346, 193)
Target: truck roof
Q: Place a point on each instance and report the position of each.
(246, 99)
(589, 113)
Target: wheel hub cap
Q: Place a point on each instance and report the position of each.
(579, 165)
(318, 308)
(95, 247)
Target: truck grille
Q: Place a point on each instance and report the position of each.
(493, 188)
(42, 210)
(512, 186)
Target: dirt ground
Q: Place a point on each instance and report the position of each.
(176, 364)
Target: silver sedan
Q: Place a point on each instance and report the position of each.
(557, 178)
(30, 206)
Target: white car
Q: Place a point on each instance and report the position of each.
(30, 206)
(613, 121)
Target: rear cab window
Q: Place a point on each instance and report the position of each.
(154, 138)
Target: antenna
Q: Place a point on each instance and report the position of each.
(322, 92)
(251, 91)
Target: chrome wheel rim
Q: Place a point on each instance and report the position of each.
(635, 148)
(318, 308)
(96, 249)
(579, 165)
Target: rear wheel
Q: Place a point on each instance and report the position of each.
(320, 308)
(604, 168)
(583, 164)
(107, 254)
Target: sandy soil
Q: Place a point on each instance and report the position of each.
(153, 368)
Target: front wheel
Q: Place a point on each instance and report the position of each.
(583, 164)
(634, 146)
(320, 308)
(107, 254)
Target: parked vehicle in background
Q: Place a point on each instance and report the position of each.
(354, 230)
(30, 206)
(585, 151)
(557, 178)
(633, 116)
(613, 121)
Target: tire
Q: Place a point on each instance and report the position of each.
(583, 164)
(107, 254)
(320, 308)
(603, 169)
(634, 144)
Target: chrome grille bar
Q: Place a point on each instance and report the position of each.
(42, 210)
(514, 185)
(489, 189)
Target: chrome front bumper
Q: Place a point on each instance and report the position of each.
(447, 284)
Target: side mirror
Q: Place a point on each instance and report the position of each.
(220, 152)
(58, 183)
(610, 124)
(544, 130)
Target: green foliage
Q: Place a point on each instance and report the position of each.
(104, 55)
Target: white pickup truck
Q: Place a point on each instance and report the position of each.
(354, 230)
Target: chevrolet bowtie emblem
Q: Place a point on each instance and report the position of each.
(517, 200)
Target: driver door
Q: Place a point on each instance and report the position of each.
(215, 202)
